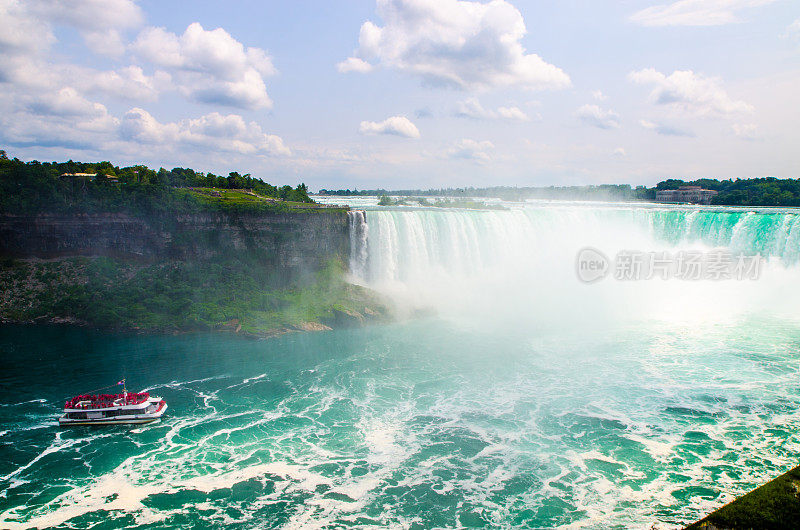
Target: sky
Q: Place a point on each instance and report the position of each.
(405, 94)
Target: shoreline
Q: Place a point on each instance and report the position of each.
(175, 297)
(234, 327)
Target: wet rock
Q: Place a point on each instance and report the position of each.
(312, 326)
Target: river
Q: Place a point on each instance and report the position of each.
(510, 393)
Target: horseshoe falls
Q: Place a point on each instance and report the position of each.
(509, 267)
(508, 393)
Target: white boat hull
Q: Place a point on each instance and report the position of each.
(126, 419)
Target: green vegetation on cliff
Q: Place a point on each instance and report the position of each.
(776, 504)
(179, 296)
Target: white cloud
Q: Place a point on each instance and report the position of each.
(467, 45)
(29, 130)
(598, 95)
(44, 101)
(23, 40)
(666, 130)
(90, 15)
(62, 119)
(353, 64)
(695, 12)
(793, 31)
(159, 46)
(99, 21)
(619, 152)
(65, 102)
(512, 113)
(25, 43)
(746, 131)
(471, 150)
(395, 125)
(19, 32)
(107, 42)
(43, 104)
(690, 92)
(26, 36)
(140, 126)
(472, 108)
(209, 66)
(213, 131)
(597, 117)
(129, 82)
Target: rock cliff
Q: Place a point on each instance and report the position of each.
(287, 242)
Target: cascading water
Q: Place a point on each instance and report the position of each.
(520, 263)
(406, 243)
(357, 221)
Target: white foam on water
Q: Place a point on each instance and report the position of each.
(23, 403)
(661, 451)
(56, 446)
(124, 489)
(247, 380)
(299, 476)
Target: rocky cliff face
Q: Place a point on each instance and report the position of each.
(288, 242)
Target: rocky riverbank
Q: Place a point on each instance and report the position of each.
(179, 296)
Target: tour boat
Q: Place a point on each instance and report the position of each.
(113, 409)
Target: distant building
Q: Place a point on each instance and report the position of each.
(692, 194)
(89, 176)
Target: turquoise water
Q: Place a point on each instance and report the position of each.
(419, 424)
(523, 399)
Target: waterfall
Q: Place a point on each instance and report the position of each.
(771, 234)
(357, 220)
(399, 245)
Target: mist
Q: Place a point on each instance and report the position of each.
(517, 267)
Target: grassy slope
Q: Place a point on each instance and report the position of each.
(233, 200)
(776, 504)
(176, 295)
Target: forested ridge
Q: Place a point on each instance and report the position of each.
(32, 187)
(766, 191)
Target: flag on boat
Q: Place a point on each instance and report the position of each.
(121, 382)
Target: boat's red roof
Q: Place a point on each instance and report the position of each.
(96, 401)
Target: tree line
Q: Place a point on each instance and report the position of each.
(38, 186)
(617, 192)
(766, 191)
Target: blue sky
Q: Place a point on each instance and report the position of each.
(408, 93)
